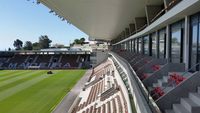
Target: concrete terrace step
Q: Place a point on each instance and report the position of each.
(167, 89)
(162, 82)
(184, 74)
(169, 111)
(195, 97)
(156, 85)
(178, 108)
(190, 105)
(187, 105)
(148, 74)
(165, 78)
(198, 90)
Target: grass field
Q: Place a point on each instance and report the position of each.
(28, 91)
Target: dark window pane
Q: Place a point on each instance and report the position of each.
(146, 45)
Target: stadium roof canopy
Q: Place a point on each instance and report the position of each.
(100, 19)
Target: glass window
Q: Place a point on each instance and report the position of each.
(162, 44)
(125, 46)
(140, 45)
(194, 42)
(135, 45)
(146, 45)
(130, 44)
(176, 43)
(154, 45)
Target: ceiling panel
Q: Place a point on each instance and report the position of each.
(100, 19)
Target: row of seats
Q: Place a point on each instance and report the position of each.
(103, 96)
(112, 106)
(44, 61)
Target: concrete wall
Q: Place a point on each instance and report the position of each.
(190, 85)
(99, 57)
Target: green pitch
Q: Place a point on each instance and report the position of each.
(29, 91)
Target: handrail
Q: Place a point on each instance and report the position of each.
(170, 4)
(141, 28)
(145, 93)
(171, 83)
(149, 101)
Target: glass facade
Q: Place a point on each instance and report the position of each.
(135, 45)
(140, 45)
(146, 45)
(154, 45)
(176, 42)
(194, 42)
(159, 46)
(162, 44)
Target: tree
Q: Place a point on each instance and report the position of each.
(44, 42)
(82, 41)
(36, 46)
(175, 40)
(18, 44)
(9, 49)
(76, 41)
(28, 45)
(79, 41)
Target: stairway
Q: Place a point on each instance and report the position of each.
(51, 59)
(187, 105)
(60, 59)
(34, 61)
(166, 83)
(78, 58)
(163, 82)
(26, 60)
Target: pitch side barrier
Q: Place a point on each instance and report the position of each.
(38, 52)
(142, 99)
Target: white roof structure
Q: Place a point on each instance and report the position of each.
(100, 19)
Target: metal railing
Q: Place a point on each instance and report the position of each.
(171, 83)
(151, 103)
(165, 9)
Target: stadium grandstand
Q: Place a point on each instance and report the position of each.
(152, 64)
(49, 59)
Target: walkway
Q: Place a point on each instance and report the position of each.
(68, 100)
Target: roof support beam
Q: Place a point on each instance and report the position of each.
(127, 32)
(132, 29)
(170, 3)
(152, 12)
(123, 34)
(141, 23)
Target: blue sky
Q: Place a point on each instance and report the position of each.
(21, 19)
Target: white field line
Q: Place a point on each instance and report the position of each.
(14, 74)
(6, 82)
(11, 91)
(7, 72)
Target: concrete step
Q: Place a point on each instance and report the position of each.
(165, 78)
(160, 81)
(195, 97)
(156, 85)
(169, 111)
(190, 105)
(167, 89)
(198, 90)
(178, 108)
(186, 75)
